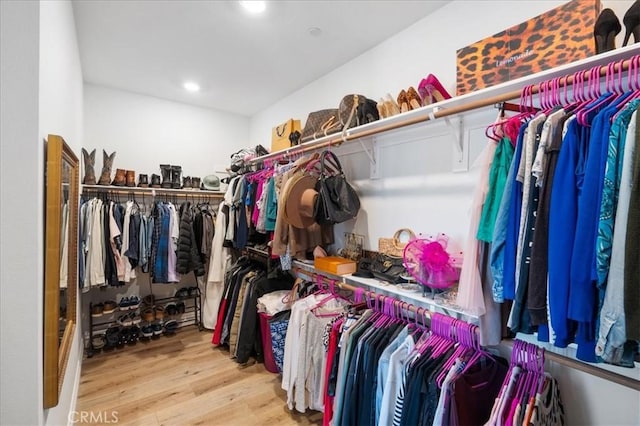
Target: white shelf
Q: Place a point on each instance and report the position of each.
(152, 191)
(434, 304)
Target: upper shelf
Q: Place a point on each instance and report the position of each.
(153, 191)
(482, 98)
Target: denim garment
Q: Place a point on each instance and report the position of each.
(612, 330)
(498, 248)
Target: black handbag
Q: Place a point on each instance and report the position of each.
(337, 201)
(388, 268)
(356, 110)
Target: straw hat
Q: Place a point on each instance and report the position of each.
(300, 198)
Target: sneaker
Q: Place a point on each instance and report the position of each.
(135, 318)
(98, 341)
(110, 307)
(97, 310)
(157, 328)
(124, 320)
(124, 304)
(171, 309)
(194, 291)
(134, 302)
(170, 327)
(180, 307)
(182, 293)
(147, 330)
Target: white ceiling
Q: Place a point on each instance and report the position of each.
(244, 63)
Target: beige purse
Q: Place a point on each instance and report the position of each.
(393, 246)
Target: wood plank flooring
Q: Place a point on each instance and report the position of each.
(182, 380)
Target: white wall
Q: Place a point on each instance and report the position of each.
(146, 132)
(21, 229)
(416, 186)
(61, 113)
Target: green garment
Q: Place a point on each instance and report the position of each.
(497, 180)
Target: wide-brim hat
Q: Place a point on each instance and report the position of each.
(211, 182)
(300, 199)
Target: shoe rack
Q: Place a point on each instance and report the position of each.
(192, 316)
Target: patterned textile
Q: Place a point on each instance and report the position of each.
(278, 327)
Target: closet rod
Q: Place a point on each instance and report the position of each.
(155, 192)
(560, 359)
(470, 106)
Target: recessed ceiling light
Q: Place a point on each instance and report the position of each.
(314, 31)
(190, 86)
(253, 6)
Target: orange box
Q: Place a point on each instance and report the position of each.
(335, 265)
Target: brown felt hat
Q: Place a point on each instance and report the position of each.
(300, 200)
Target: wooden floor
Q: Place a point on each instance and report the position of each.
(182, 380)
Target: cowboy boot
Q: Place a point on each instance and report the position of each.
(143, 181)
(131, 178)
(107, 163)
(165, 169)
(155, 181)
(89, 161)
(120, 178)
(176, 171)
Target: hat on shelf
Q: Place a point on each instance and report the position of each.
(300, 198)
(211, 182)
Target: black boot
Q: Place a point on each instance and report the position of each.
(186, 182)
(176, 172)
(155, 181)
(143, 181)
(166, 171)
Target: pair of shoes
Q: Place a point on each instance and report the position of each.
(409, 100)
(387, 107)
(189, 182)
(97, 310)
(129, 319)
(124, 178)
(170, 176)
(431, 90)
(607, 27)
(129, 302)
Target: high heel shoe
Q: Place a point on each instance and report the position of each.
(431, 90)
(631, 22)
(413, 98)
(403, 103)
(391, 106)
(605, 30)
(382, 109)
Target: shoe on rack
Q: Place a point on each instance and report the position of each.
(143, 181)
(176, 173)
(97, 310)
(403, 102)
(110, 306)
(120, 179)
(149, 300)
(391, 106)
(605, 30)
(155, 181)
(171, 326)
(125, 334)
(631, 22)
(157, 328)
(171, 309)
(89, 161)
(130, 178)
(112, 336)
(166, 171)
(107, 164)
(195, 182)
(124, 303)
(382, 109)
(148, 315)
(98, 341)
(180, 307)
(134, 335)
(432, 91)
(135, 318)
(194, 291)
(182, 293)
(413, 98)
(159, 312)
(124, 320)
(187, 183)
(134, 302)
(147, 331)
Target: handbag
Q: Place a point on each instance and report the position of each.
(356, 110)
(393, 246)
(281, 135)
(388, 268)
(337, 201)
(321, 123)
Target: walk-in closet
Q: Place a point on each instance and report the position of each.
(325, 213)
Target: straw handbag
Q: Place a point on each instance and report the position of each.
(393, 246)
